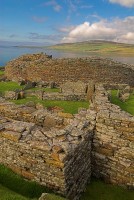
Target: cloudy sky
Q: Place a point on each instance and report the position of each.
(49, 22)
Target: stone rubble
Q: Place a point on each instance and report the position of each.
(42, 68)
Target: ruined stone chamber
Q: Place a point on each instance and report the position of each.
(61, 150)
(52, 149)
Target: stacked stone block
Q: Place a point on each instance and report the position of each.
(39, 67)
(113, 141)
(51, 149)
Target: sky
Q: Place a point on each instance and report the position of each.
(48, 22)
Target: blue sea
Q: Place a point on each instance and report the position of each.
(8, 53)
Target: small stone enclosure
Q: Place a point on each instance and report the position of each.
(62, 151)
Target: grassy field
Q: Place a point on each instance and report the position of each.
(9, 86)
(97, 47)
(68, 106)
(128, 106)
(13, 187)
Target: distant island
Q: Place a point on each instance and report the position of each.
(96, 46)
(93, 46)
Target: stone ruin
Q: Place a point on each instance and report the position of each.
(69, 91)
(124, 94)
(62, 151)
(43, 68)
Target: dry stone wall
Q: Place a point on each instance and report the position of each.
(40, 67)
(49, 149)
(58, 149)
(113, 141)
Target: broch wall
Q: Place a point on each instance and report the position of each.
(61, 150)
(35, 141)
(40, 67)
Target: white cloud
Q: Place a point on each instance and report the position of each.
(54, 4)
(121, 30)
(87, 31)
(126, 3)
(128, 37)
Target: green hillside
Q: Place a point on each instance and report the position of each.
(96, 47)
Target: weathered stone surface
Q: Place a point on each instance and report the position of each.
(112, 144)
(11, 95)
(54, 148)
(11, 135)
(47, 151)
(40, 67)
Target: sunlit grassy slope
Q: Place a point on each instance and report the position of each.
(96, 46)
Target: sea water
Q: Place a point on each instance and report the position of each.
(8, 53)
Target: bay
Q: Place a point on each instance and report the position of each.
(8, 53)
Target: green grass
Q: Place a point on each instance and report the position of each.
(68, 106)
(97, 47)
(9, 86)
(127, 106)
(98, 190)
(2, 72)
(14, 187)
(7, 194)
(45, 89)
(15, 183)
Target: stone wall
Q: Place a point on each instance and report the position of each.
(113, 141)
(51, 150)
(54, 148)
(57, 96)
(39, 67)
